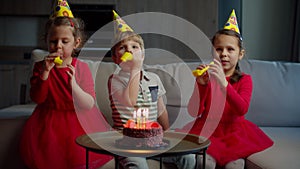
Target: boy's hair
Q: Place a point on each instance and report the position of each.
(126, 36)
(76, 23)
(237, 73)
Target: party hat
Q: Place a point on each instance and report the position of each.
(120, 24)
(62, 9)
(232, 23)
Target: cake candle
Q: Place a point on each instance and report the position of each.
(144, 118)
(138, 115)
(146, 114)
(134, 117)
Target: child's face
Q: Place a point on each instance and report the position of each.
(128, 46)
(229, 52)
(61, 40)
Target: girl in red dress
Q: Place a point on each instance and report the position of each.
(232, 137)
(65, 97)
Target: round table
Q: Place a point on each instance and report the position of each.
(178, 144)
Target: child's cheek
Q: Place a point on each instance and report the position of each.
(138, 53)
(118, 60)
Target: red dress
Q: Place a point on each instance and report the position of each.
(231, 135)
(48, 137)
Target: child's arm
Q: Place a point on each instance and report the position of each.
(163, 118)
(240, 98)
(82, 99)
(199, 97)
(38, 86)
(127, 94)
(132, 90)
(48, 65)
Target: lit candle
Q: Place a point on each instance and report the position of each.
(134, 116)
(144, 118)
(138, 115)
(147, 113)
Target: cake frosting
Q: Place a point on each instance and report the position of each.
(148, 135)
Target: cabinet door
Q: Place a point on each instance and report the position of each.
(28, 7)
(13, 79)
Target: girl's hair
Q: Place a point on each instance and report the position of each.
(237, 73)
(126, 36)
(76, 23)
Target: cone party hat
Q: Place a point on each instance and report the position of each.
(232, 23)
(120, 24)
(62, 9)
(120, 27)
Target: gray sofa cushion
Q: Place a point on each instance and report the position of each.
(17, 111)
(283, 154)
(276, 92)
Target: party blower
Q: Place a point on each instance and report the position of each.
(58, 60)
(126, 57)
(198, 72)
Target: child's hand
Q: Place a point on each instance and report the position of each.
(49, 61)
(216, 71)
(203, 79)
(137, 61)
(71, 74)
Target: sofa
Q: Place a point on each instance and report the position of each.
(274, 108)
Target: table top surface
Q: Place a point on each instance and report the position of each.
(178, 144)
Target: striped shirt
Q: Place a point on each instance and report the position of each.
(150, 89)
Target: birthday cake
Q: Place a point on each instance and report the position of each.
(147, 135)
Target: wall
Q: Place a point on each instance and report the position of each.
(267, 29)
(22, 24)
(266, 26)
(21, 30)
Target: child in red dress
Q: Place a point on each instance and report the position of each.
(233, 138)
(65, 97)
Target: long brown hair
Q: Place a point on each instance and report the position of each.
(76, 23)
(237, 73)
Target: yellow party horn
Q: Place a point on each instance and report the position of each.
(126, 57)
(58, 60)
(199, 72)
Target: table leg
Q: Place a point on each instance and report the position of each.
(204, 159)
(87, 159)
(116, 162)
(160, 162)
(196, 164)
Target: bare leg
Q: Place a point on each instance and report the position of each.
(236, 164)
(210, 162)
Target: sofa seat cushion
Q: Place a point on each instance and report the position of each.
(17, 111)
(283, 154)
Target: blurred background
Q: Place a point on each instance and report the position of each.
(270, 30)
